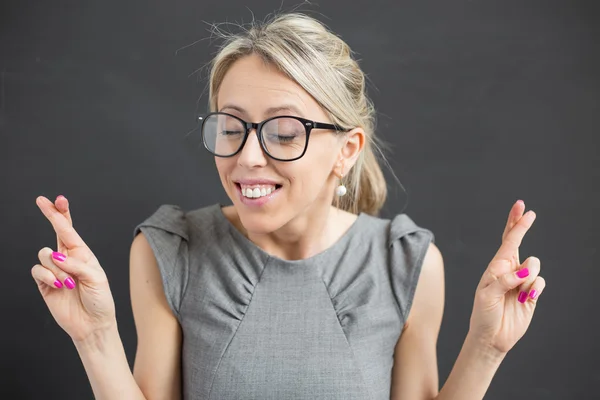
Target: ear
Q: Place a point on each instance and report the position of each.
(354, 142)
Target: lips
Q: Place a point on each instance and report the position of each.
(255, 191)
(256, 181)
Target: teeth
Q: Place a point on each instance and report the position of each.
(255, 192)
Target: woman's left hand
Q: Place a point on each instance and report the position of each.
(507, 294)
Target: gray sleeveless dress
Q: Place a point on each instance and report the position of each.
(260, 327)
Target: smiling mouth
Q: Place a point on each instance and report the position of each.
(257, 191)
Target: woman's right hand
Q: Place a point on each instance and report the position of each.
(75, 290)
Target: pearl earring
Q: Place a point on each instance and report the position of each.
(341, 189)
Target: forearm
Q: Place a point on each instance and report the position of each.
(107, 368)
(472, 373)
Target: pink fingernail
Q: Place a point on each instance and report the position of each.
(533, 293)
(58, 256)
(70, 283)
(523, 273)
(522, 297)
(58, 284)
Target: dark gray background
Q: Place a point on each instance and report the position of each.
(483, 102)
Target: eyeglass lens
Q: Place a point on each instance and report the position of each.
(284, 138)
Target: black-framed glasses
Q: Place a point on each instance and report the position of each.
(283, 137)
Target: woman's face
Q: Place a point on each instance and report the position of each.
(255, 91)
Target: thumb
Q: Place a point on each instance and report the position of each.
(508, 282)
(87, 271)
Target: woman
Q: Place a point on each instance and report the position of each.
(297, 290)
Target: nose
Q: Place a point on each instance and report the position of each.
(252, 155)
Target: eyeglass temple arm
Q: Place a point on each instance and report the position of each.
(329, 126)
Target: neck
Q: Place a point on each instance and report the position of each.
(308, 234)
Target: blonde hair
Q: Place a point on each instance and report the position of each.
(320, 62)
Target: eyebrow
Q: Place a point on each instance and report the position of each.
(270, 111)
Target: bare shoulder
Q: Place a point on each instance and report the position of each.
(145, 279)
(157, 360)
(415, 370)
(428, 302)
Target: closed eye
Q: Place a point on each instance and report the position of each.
(282, 138)
(227, 133)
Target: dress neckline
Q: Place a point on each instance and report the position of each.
(339, 243)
